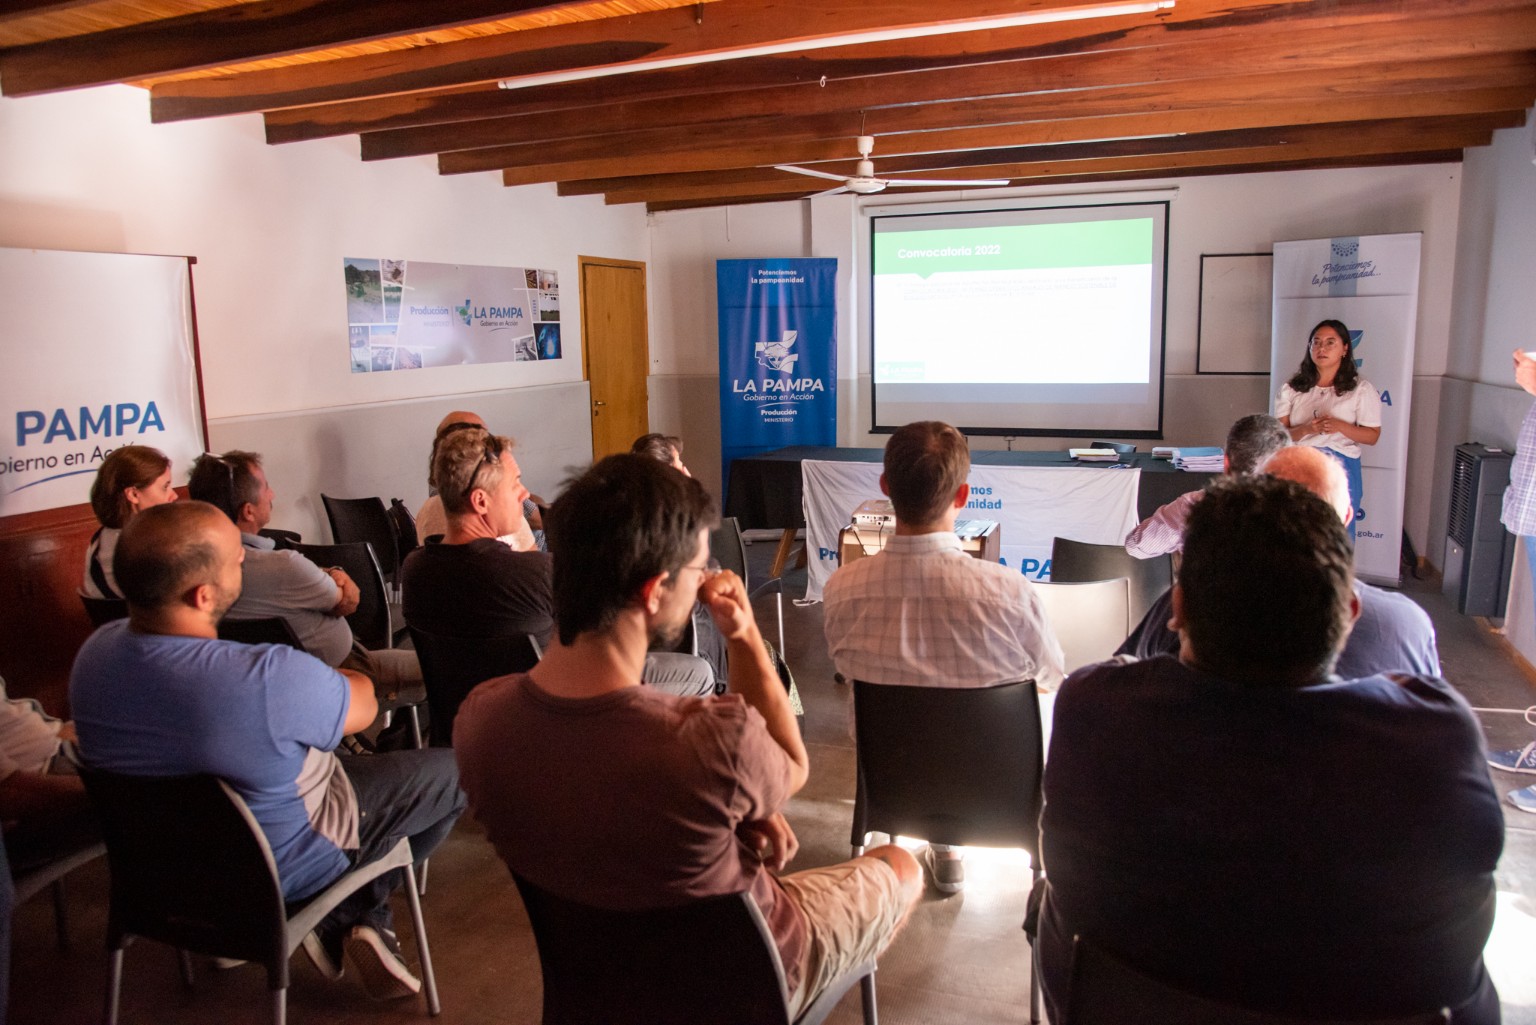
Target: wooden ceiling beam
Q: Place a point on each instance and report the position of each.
(1375, 78)
(888, 149)
(15, 10)
(1347, 146)
(1297, 52)
(778, 76)
(678, 32)
(232, 35)
(1106, 177)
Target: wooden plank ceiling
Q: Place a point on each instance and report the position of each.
(1199, 87)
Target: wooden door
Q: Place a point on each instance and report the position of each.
(616, 351)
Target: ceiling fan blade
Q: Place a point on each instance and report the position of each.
(898, 182)
(806, 170)
(830, 192)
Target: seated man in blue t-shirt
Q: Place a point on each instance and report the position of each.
(1224, 820)
(159, 694)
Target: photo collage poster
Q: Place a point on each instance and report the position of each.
(408, 314)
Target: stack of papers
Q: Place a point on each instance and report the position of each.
(1200, 460)
(1095, 455)
(1163, 452)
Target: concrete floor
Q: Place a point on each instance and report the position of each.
(961, 959)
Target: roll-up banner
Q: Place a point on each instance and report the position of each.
(778, 355)
(78, 386)
(1371, 283)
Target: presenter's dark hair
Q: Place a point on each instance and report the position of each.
(624, 521)
(661, 447)
(132, 466)
(225, 482)
(925, 464)
(164, 551)
(1305, 378)
(1252, 440)
(1266, 582)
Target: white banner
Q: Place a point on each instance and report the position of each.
(98, 355)
(409, 314)
(1371, 283)
(1034, 505)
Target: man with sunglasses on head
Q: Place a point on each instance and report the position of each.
(472, 584)
(314, 601)
(644, 799)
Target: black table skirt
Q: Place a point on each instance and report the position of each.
(765, 491)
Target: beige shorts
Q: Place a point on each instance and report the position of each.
(853, 909)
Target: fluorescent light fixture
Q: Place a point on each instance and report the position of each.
(850, 39)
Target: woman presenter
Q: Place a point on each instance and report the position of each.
(130, 479)
(1328, 405)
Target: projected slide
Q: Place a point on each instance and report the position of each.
(1029, 321)
(1033, 304)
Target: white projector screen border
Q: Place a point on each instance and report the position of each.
(1103, 372)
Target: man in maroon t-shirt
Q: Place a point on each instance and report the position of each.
(606, 792)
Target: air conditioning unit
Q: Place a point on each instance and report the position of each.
(1478, 550)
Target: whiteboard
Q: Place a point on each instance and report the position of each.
(1235, 308)
(100, 352)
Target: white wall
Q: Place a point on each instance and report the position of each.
(1241, 213)
(1493, 313)
(269, 226)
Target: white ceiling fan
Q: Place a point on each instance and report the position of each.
(864, 182)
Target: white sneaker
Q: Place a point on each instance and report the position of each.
(375, 953)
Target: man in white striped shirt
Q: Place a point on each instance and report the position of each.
(924, 613)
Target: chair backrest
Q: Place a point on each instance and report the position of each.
(1105, 991)
(370, 622)
(1089, 619)
(1125, 448)
(451, 667)
(728, 549)
(281, 538)
(1075, 562)
(365, 519)
(101, 611)
(190, 867)
(636, 966)
(273, 630)
(406, 540)
(949, 765)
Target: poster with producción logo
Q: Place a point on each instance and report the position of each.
(409, 314)
(778, 355)
(1371, 284)
(99, 353)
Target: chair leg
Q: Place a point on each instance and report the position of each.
(867, 998)
(185, 957)
(428, 976)
(778, 600)
(114, 984)
(60, 914)
(416, 727)
(1034, 984)
(279, 1007)
(421, 877)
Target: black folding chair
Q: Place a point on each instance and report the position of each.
(959, 766)
(374, 621)
(1105, 991)
(272, 630)
(619, 967)
(102, 611)
(191, 867)
(453, 666)
(404, 523)
(1079, 562)
(366, 519)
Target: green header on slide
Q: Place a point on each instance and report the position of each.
(1026, 247)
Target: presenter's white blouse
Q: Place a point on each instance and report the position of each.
(1360, 406)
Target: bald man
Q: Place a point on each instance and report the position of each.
(1392, 634)
(158, 694)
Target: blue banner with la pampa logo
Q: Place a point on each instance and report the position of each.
(778, 355)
